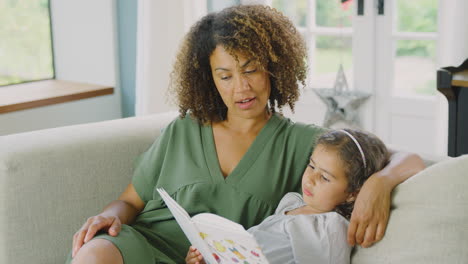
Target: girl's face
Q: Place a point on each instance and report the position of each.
(243, 85)
(324, 181)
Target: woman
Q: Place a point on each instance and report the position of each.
(229, 153)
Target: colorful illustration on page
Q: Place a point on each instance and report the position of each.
(233, 249)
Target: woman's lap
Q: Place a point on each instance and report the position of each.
(134, 247)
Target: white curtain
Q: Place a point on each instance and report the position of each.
(161, 26)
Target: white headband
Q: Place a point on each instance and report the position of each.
(357, 144)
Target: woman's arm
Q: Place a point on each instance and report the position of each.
(402, 165)
(372, 207)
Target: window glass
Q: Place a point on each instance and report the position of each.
(296, 10)
(330, 52)
(417, 15)
(333, 13)
(415, 67)
(415, 59)
(25, 41)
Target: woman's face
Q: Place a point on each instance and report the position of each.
(243, 85)
(324, 182)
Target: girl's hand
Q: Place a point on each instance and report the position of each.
(194, 256)
(94, 224)
(371, 211)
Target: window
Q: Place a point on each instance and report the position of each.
(415, 38)
(327, 27)
(389, 50)
(26, 41)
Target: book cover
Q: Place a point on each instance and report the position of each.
(218, 239)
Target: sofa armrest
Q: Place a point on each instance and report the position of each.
(52, 180)
(428, 221)
(429, 159)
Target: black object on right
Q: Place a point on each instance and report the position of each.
(457, 96)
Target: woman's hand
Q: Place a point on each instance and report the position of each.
(372, 207)
(194, 256)
(121, 211)
(371, 211)
(111, 224)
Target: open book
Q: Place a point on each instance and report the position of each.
(218, 239)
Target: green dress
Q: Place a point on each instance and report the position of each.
(184, 162)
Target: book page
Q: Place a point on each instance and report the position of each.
(229, 241)
(219, 221)
(189, 228)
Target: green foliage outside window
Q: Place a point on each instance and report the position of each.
(26, 45)
(417, 16)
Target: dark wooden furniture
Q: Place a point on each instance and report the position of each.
(453, 83)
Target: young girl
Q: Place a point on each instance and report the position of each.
(312, 227)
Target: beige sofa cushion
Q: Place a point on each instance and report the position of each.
(429, 219)
(52, 180)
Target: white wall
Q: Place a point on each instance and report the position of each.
(85, 50)
(161, 28)
(453, 43)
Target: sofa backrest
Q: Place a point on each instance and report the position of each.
(52, 180)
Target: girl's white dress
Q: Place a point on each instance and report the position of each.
(315, 238)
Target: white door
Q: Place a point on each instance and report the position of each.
(388, 49)
(407, 109)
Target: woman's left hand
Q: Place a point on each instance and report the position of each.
(371, 211)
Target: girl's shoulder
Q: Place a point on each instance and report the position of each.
(319, 237)
(329, 224)
(290, 201)
(334, 220)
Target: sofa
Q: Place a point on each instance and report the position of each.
(52, 180)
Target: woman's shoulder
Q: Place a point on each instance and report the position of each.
(299, 129)
(179, 124)
(299, 138)
(179, 131)
(187, 120)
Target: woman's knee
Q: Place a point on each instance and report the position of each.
(98, 251)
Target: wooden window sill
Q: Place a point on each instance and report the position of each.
(41, 93)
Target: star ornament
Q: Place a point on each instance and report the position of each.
(342, 104)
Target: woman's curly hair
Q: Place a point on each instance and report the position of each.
(262, 34)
